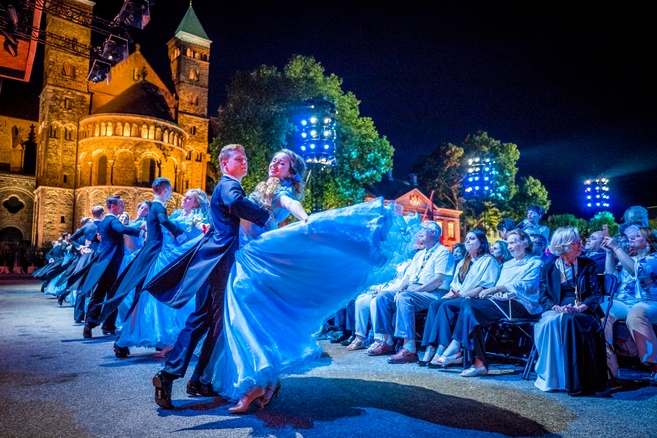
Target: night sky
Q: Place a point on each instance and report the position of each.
(573, 88)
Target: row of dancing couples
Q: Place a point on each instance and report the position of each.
(258, 292)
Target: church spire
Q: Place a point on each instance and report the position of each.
(191, 25)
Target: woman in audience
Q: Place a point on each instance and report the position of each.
(571, 350)
(476, 272)
(636, 300)
(514, 295)
(500, 251)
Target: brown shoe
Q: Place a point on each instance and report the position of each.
(381, 349)
(403, 356)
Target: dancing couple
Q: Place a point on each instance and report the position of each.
(259, 305)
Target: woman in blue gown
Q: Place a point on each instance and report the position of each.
(51, 286)
(285, 282)
(130, 250)
(149, 323)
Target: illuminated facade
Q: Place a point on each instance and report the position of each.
(413, 200)
(96, 139)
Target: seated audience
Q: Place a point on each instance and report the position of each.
(571, 350)
(476, 272)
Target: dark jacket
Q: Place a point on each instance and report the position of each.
(587, 284)
(212, 258)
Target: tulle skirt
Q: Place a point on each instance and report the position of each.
(286, 283)
(150, 323)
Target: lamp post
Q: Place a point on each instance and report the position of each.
(316, 141)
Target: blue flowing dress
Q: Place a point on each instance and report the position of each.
(52, 287)
(149, 323)
(287, 282)
(130, 250)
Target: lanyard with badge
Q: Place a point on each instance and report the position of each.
(426, 256)
(563, 272)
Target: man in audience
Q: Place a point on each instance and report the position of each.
(505, 225)
(540, 247)
(426, 279)
(634, 215)
(594, 251)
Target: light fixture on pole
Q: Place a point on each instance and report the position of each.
(479, 181)
(316, 142)
(596, 194)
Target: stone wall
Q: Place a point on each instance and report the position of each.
(17, 203)
(13, 131)
(88, 197)
(53, 213)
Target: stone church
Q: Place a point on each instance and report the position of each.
(93, 140)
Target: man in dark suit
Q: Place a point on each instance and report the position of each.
(132, 278)
(77, 241)
(105, 269)
(203, 271)
(88, 252)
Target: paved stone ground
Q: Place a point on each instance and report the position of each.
(53, 383)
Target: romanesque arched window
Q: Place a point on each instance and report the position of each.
(101, 171)
(193, 74)
(148, 170)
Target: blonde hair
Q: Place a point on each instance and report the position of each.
(562, 238)
(200, 199)
(226, 152)
(265, 190)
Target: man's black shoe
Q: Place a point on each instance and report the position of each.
(200, 389)
(60, 299)
(121, 352)
(345, 335)
(77, 321)
(346, 342)
(109, 330)
(163, 387)
(86, 332)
